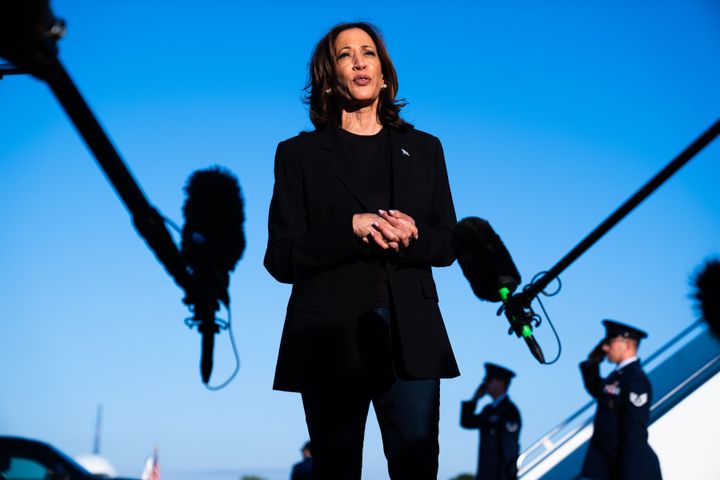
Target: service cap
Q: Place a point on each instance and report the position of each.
(496, 371)
(616, 329)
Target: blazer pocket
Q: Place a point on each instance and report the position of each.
(428, 288)
(309, 301)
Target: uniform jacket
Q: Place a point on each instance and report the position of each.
(312, 246)
(618, 449)
(499, 438)
(302, 470)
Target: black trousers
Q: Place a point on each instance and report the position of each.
(408, 413)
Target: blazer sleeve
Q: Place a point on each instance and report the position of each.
(294, 251)
(591, 377)
(434, 244)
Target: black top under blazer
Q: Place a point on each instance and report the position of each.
(312, 246)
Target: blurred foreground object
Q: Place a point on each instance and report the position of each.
(212, 243)
(29, 32)
(707, 294)
(23, 459)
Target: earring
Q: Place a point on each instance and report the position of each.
(384, 86)
(328, 91)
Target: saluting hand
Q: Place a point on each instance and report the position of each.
(480, 392)
(597, 354)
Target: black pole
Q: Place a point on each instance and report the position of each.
(146, 218)
(693, 149)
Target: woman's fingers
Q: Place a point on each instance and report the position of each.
(400, 236)
(379, 240)
(362, 223)
(404, 223)
(397, 218)
(400, 215)
(385, 230)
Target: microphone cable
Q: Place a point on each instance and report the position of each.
(538, 319)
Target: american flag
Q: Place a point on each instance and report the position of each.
(152, 467)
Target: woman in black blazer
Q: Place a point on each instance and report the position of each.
(361, 211)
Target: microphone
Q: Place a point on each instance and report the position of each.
(212, 243)
(707, 286)
(493, 276)
(29, 32)
(484, 259)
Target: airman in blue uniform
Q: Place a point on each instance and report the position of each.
(303, 470)
(619, 449)
(499, 424)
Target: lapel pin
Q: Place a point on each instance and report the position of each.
(404, 152)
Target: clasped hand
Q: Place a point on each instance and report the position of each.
(388, 229)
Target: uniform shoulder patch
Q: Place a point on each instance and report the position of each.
(638, 399)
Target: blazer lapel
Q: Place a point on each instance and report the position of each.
(337, 156)
(401, 158)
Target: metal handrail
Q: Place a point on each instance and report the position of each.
(685, 383)
(674, 340)
(546, 439)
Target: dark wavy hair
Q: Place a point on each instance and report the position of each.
(324, 107)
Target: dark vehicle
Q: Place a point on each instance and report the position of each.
(24, 459)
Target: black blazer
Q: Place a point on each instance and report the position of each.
(312, 246)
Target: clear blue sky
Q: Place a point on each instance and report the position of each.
(551, 115)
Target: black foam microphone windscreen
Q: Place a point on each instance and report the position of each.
(707, 294)
(484, 259)
(214, 217)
